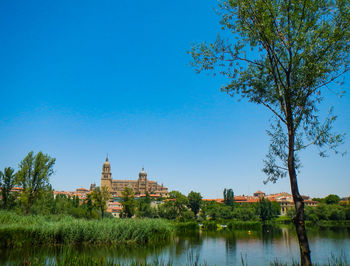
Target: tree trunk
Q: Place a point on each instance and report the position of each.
(299, 218)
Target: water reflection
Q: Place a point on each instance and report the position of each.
(220, 248)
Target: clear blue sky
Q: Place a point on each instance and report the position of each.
(80, 79)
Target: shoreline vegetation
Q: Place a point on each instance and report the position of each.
(17, 230)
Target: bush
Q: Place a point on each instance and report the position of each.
(187, 227)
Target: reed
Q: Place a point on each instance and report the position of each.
(191, 226)
(16, 230)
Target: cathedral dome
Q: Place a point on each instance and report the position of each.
(143, 172)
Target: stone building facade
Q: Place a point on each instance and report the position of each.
(140, 186)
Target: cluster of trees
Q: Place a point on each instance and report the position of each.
(333, 212)
(329, 209)
(37, 196)
(33, 176)
(263, 210)
(191, 207)
(330, 199)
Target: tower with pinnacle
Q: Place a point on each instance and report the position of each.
(106, 177)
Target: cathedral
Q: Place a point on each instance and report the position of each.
(140, 186)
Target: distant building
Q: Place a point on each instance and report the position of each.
(284, 199)
(81, 193)
(92, 186)
(259, 194)
(140, 186)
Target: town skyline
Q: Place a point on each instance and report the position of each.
(267, 189)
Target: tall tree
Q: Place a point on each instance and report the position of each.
(194, 201)
(7, 182)
(89, 204)
(298, 48)
(267, 209)
(180, 202)
(99, 198)
(128, 202)
(33, 175)
(229, 197)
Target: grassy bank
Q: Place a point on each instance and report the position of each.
(16, 230)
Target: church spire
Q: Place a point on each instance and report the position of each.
(107, 158)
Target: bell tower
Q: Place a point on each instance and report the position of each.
(142, 182)
(106, 177)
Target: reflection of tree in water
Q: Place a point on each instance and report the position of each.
(178, 250)
(286, 235)
(271, 233)
(231, 244)
(186, 244)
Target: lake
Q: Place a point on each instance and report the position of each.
(212, 248)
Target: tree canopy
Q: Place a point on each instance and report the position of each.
(33, 175)
(99, 197)
(194, 201)
(228, 197)
(7, 182)
(128, 202)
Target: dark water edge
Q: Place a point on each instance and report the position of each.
(259, 247)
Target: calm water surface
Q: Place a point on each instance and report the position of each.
(213, 248)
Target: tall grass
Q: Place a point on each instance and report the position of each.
(191, 226)
(15, 230)
(244, 225)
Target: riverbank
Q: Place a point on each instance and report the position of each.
(269, 246)
(16, 230)
(232, 225)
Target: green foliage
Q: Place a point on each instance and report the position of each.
(175, 207)
(186, 226)
(267, 209)
(298, 50)
(228, 197)
(320, 200)
(128, 202)
(50, 230)
(99, 197)
(144, 208)
(210, 225)
(327, 212)
(217, 211)
(332, 199)
(7, 182)
(33, 176)
(194, 201)
(244, 225)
